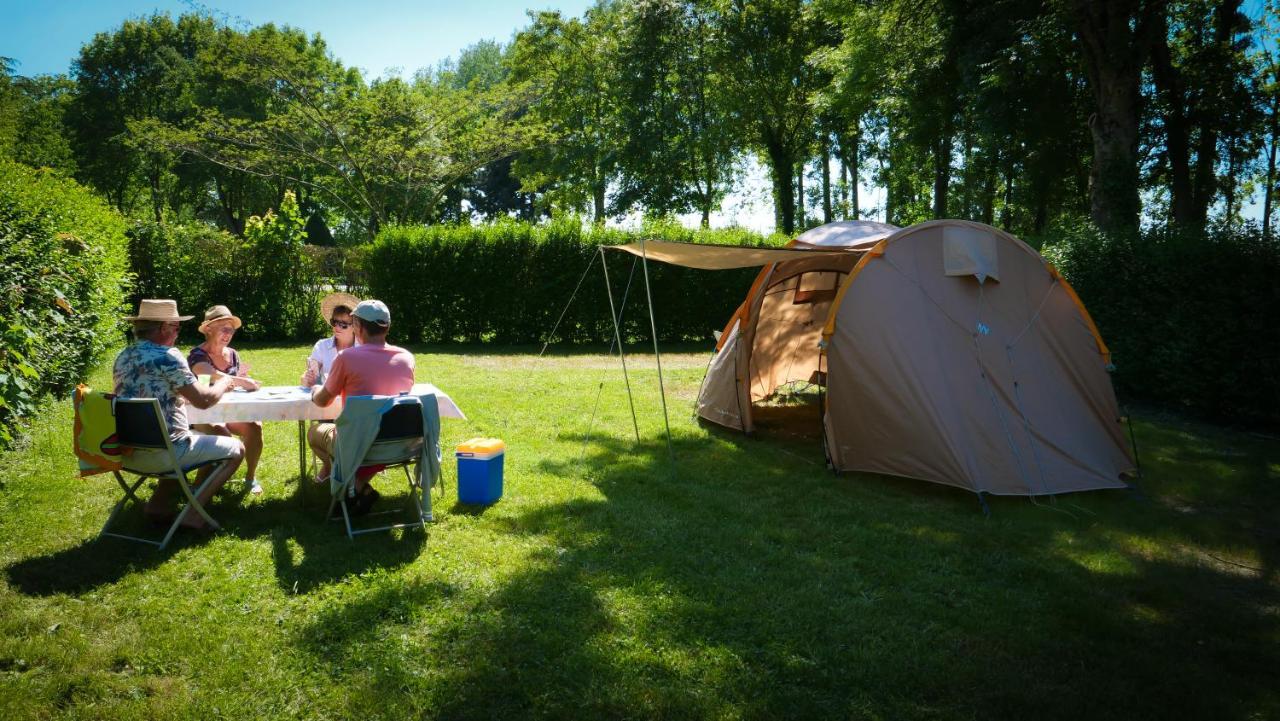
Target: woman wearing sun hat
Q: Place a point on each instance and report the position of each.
(216, 356)
(336, 309)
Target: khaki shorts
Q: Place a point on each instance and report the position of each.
(194, 450)
(321, 437)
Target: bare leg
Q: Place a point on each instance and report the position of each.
(161, 501)
(219, 476)
(210, 430)
(251, 435)
(320, 438)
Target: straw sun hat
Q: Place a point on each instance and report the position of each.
(217, 313)
(333, 300)
(158, 309)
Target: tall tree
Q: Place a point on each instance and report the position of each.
(765, 48)
(1201, 74)
(568, 62)
(1116, 38)
(677, 140)
(384, 152)
(32, 121)
(143, 71)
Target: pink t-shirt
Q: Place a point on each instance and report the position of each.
(371, 369)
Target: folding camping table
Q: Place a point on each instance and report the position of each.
(293, 403)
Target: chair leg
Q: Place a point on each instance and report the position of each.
(192, 501)
(130, 494)
(414, 488)
(339, 499)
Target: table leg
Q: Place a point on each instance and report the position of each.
(302, 452)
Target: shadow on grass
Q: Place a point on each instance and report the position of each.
(308, 552)
(96, 562)
(747, 584)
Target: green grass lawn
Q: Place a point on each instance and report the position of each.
(745, 581)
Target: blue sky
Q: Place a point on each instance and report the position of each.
(371, 34)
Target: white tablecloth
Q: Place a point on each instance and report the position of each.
(291, 403)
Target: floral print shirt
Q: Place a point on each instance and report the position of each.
(148, 370)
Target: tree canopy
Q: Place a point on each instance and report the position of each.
(1012, 112)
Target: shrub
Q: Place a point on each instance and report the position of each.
(63, 276)
(267, 278)
(1189, 316)
(507, 282)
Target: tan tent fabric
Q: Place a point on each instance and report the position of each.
(994, 386)
(969, 251)
(719, 398)
(789, 320)
(715, 257)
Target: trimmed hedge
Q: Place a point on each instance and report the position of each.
(63, 276)
(267, 278)
(1191, 318)
(507, 282)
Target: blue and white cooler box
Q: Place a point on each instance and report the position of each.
(480, 470)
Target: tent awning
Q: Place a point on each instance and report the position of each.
(718, 257)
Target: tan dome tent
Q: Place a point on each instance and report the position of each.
(950, 352)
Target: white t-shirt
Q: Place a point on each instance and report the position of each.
(323, 352)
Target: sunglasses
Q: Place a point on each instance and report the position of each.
(343, 324)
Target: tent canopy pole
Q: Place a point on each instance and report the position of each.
(617, 334)
(653, 326)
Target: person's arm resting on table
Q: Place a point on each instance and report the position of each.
(332, 388)
(202, 396)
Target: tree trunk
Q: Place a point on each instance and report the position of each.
(800, 221)
(784, 202)
(989, 199)
(826, 177)
(1229, 189)
(1177, 143)
(1272, 126)
(1006, 212)
(227, 205)
(157, 198)
(1205, 183)
(597, 201)
(844, 188)
(989, 192)
(942, 171)
(1116, 37)
(849, 157)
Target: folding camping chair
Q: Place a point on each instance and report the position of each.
(140, 424)
(392, 448)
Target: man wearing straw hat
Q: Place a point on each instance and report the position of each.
(152, 368)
